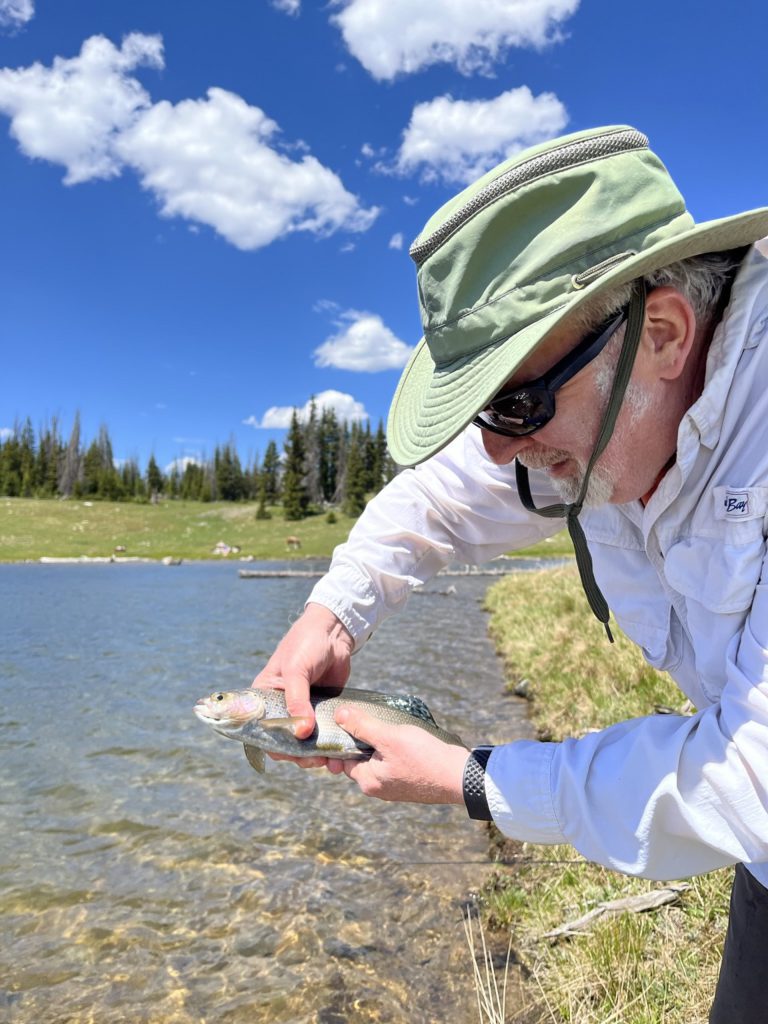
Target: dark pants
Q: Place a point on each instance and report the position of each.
(742, 988)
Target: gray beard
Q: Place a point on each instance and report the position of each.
(599, 489)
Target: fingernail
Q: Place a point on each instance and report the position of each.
(301, 724)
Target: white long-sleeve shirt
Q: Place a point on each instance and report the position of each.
(686, 579)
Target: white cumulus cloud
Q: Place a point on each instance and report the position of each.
(364, 344)
(180, 464)
(5, 433)
(279, 416)
(15, 13)
(214, 161)
(287, 6)
(458, 140)
(211, 160)
(391, 37)
(72, 112)
(396, 241)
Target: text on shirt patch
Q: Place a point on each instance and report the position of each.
(736, 504)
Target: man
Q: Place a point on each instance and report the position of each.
(578, 324)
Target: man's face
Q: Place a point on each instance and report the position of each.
(632, 460)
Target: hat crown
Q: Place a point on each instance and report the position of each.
(515, 245)
(513, 256)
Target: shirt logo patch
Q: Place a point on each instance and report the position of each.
(736, 504)
(739, 504)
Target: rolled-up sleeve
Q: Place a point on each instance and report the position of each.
(456, 507)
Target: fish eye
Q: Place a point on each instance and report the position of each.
(218, 696)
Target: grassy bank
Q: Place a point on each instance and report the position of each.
(630, 968)
(33, 528)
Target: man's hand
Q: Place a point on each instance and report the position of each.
(409, 764)
(316, 649)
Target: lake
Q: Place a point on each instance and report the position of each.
(149, 875)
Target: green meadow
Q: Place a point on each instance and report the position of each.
(31, 528)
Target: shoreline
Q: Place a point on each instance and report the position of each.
(513, 563)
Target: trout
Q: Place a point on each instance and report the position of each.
(259, 719)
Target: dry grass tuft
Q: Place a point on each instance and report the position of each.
(491, 996)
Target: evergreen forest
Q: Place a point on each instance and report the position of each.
(324, 463)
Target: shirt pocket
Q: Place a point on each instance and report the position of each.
(718, 571)
(637, 601)
(716, 577)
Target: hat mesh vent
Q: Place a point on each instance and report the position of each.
(559, 159)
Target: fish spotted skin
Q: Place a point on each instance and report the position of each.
(258, 718)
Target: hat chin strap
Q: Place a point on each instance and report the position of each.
(570, 512)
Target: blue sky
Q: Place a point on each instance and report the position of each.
(207, 207)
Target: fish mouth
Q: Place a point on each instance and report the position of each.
(204, 712)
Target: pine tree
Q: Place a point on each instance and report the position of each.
(252, 478)
(342, 449)
(270, 474)
(131, 482)
(10, 466)
(72, 463)
(262, 512)
(356, 474)
(27, 460)
(230, 482)
(208, 490)
(155, 480)
(369, 455)
(173, 483)
(50, 454)
(192, 482)
(295, 496)
(312, 460)
(91, 471)
(109, 480)
(379, 468)
(329, 454)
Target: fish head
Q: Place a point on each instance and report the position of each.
(231, 709)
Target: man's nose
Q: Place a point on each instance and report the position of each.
(501, 449)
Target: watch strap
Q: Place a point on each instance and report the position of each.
(474, 784)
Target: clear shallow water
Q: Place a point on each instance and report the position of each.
(148, 874)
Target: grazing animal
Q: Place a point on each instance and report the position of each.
(293, 544)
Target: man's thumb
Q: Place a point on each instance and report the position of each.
(359, 723)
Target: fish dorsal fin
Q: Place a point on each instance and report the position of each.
(407, 703)
(255, 757)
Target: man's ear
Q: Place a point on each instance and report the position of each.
(670, 331)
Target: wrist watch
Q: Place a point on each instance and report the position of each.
(474, 784)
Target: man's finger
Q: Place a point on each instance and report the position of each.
(296, 701)
(302, 762)
(360, 724)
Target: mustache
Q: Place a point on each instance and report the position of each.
(538, 459)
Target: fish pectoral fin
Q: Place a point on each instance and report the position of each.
(255, 758)
(289, 725)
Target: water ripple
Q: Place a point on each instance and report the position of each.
(150, 875)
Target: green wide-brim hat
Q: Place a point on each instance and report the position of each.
(516, 253)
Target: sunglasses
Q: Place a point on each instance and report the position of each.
(524, 410)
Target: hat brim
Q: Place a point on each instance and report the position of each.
(433, 404)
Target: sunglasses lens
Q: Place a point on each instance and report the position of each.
(518, 413)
